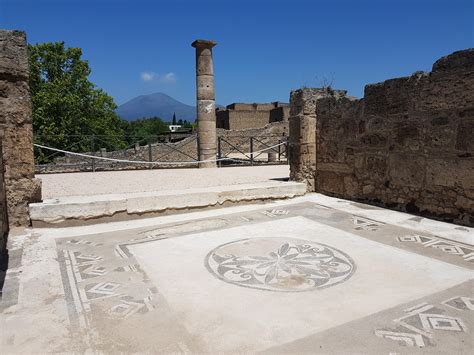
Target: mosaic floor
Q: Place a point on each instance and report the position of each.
(295, 277)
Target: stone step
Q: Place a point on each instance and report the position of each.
(82, 210)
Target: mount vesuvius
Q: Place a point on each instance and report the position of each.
(157, 104)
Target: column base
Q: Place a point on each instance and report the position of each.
(211, 164)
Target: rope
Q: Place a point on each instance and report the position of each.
(150, 162)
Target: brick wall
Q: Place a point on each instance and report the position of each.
(16, 127)
(408, 144)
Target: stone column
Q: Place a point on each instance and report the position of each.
(206, 112)
(16, 128)
(302, 137)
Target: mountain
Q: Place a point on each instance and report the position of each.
(157, 104)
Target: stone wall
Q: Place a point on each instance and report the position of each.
(16, 127)
(238, 116)
(408, 144)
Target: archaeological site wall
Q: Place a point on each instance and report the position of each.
(16, 127)
(408, 144)
(238, 116)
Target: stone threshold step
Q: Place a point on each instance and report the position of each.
(83, 210)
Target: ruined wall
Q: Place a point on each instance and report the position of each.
(16, 125)
(280, 114)
(408, 144)
(238, 116)
(248, 119)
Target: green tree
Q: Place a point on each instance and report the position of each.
(67, 107)
(145, 130)
(174, 119)
(187, 124)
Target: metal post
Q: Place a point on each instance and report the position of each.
(93, 153)
(219, 153)
(150, 157)
(279, 150)
(251, 150)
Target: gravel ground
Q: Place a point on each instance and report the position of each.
(107, 182)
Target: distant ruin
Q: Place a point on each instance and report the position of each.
(408, 144)
(238, 116)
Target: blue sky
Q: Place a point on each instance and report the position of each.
(265, 48)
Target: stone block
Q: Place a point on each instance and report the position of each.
(465, 203)
(438, 133)
(457, 61)
(373, 140)
(450, 173)
(376, 167)
(204, 66)
(465, 135)
(351, 186)
(406, 170)
(331, 151)
(205, 87)
(391, 96)
(335, 167)
(407, 135)
(329, 182)
(13, 55)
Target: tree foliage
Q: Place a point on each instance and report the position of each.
(145, 130)
(67, 106)
(73, 114)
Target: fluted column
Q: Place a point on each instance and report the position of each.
(206, 112)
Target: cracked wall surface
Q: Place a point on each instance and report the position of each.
(407, 144)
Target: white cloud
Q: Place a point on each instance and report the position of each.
(147, 76)
(168, 78)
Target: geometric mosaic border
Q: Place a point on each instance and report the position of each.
(449, 247)
(418, 327)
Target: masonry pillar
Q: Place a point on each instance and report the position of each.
(302, 137)
(206, 112)
(16, 128)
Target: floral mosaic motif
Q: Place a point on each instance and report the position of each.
(279, 264)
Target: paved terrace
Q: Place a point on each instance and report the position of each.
(116, 182)
(91, 198)
(309, 275)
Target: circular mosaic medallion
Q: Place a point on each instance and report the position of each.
(279, 264)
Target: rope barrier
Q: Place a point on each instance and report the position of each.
(150, 162)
